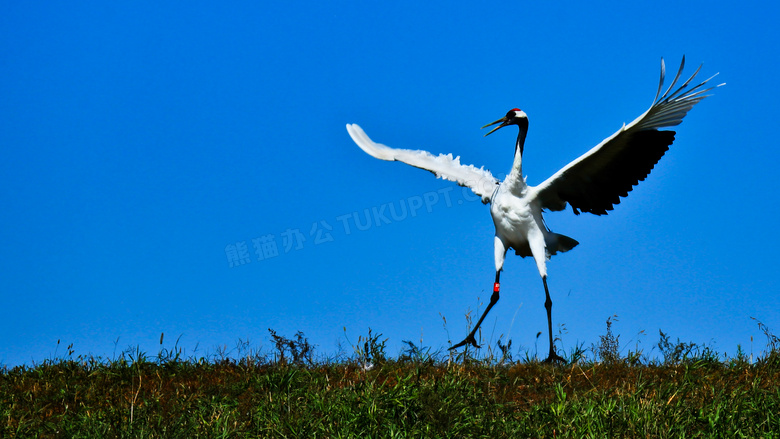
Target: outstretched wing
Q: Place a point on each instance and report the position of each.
(479, 180)
(595, 182)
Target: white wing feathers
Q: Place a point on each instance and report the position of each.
(479, 180)
(596, 180)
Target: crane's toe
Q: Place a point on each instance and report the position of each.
(468, 340)
(554, 358)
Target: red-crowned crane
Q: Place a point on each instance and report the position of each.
(592, 183)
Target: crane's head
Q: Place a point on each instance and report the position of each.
(514, 116)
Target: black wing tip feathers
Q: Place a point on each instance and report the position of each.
(618, 180)
(597, 181)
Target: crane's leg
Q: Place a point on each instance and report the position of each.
(548, 305)
(470, 339)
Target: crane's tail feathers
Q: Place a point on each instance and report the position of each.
(565, 243)
(560, 243)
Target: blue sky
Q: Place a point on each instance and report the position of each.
(152, 155)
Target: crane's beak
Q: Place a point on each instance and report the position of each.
(503, 121)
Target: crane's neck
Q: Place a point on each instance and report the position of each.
(515, 178)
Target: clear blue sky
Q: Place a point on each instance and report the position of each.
(146, 148)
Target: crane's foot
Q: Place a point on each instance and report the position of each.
(468, 340)
(554, 358)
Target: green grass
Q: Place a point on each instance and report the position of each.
(690, 392)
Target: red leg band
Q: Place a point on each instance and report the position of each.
(496, 286)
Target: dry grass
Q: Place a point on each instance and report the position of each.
(692, 392)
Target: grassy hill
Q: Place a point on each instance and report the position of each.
(691, 392)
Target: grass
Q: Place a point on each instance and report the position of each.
(691, 392)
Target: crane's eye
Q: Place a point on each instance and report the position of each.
(511, 114)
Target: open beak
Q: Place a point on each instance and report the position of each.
(503, 121)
